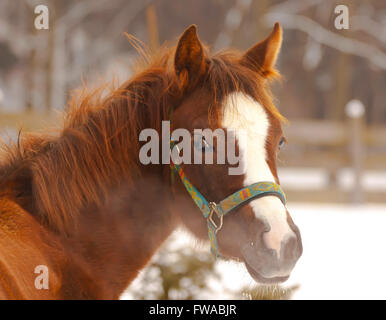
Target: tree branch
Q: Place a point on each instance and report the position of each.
(373, 28)
(328, 38)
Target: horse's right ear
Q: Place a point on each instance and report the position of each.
(262, 57)
(189, 59)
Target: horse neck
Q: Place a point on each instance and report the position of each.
(121, 208)
(114, 242)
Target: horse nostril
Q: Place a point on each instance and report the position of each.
(292, 250)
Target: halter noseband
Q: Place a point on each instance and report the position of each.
(235, 200)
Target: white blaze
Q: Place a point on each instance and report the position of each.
(243, 112)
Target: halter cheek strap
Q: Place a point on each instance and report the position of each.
(225, 206)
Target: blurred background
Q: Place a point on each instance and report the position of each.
(333, 93)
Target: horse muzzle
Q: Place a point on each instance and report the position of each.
(264, 265)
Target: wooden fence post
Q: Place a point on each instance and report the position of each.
(355, 111)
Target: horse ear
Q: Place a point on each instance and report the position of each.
(189, 60)
(262, 56)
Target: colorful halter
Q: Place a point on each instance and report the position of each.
(241, 197)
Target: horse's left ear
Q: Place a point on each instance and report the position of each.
(189, 60)
(262, 57)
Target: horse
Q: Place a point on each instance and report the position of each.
(80, 215)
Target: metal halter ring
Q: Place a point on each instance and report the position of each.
(213, 208)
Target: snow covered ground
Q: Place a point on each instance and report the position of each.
(344, 245)
(344, 254)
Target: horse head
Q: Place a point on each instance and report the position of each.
(229, 91)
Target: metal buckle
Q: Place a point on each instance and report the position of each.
(213, 208)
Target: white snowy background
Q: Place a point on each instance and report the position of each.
(344, 245)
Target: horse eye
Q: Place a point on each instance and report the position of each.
(281, 142)
(206, 147)
(202, 145)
